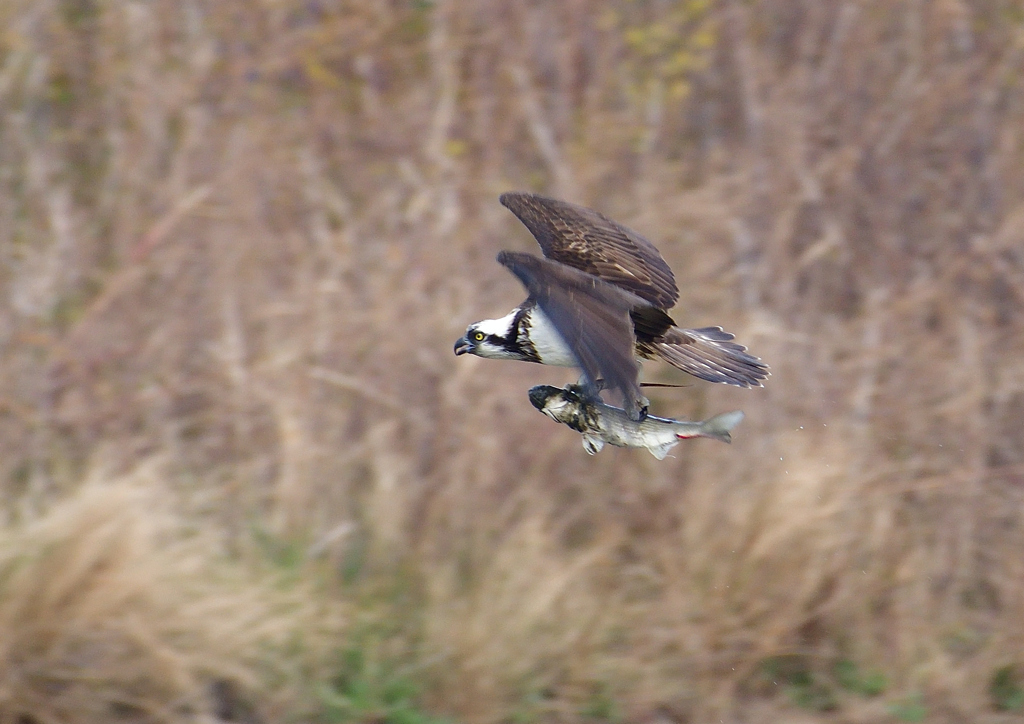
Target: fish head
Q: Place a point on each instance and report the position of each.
(541, 395)
(552, 401)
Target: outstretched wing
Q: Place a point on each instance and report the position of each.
(591, 315)
(586, 240)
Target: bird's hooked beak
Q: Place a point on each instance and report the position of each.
(463, 346)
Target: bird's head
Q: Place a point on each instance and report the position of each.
(493, 338)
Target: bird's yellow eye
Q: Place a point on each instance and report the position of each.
(478, 336)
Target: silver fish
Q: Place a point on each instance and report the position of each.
(600, 423)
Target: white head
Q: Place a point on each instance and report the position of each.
(493, 338)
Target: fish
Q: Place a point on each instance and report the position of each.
(600, 423)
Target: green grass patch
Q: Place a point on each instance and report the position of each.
(910, 708)
(1005, 689)
(600, 706)
(367, 689)
(850, 677)
(820, 689)
(793, 672)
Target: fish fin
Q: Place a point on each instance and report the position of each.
(719, 427)
(661, 451)
(593, 445)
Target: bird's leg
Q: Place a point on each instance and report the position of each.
(586, 389)
(591, 391)
(636, 410)
(584, 383)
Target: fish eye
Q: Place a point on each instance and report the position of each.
(478, 336)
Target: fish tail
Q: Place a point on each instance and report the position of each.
(719, 427)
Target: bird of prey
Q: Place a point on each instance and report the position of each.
(598, 300)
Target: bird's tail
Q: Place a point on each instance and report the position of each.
(710, 354)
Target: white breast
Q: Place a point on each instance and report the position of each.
(549, 344)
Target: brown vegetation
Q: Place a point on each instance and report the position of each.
(240, 238)
(114, 608)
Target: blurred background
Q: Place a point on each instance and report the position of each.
(245, 479)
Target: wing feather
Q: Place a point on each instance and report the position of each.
(591, 242)
(591, 315)
(710, 354)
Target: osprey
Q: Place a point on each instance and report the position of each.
(598, 300)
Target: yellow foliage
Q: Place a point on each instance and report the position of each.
(667, 49)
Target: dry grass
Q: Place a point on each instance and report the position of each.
(116, 607)
(242, 237)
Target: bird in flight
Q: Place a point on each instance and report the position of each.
(599, 300)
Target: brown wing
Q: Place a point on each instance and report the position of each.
(586, 240)
(591, 315)
(710, 354)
